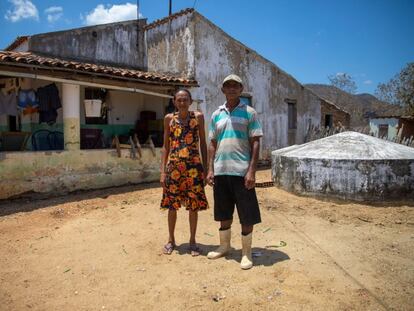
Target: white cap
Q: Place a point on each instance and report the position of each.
(233, 77)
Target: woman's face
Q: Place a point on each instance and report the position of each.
(182, 101)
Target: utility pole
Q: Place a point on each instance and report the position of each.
(170, 8)
(138, 45)
(137, 23)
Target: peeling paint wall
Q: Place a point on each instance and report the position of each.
(170, 47)
(218, 54)
(208, 53)
(114, 44)
(56, 173)
(348, 165)
(345, 179)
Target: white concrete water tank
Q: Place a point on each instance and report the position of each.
(347, 165)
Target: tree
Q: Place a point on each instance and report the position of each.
(387, 92)
(344, 82)
(400, 89)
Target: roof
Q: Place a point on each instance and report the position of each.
(325, 101)
(56, 64)
(349, 146)
(409, 118)
(19, 40)
(167, 19)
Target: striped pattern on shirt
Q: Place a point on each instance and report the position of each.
(231, 131)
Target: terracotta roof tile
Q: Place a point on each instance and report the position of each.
(45, 62)
(168, 18)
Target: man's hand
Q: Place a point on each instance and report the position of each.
(210, 178)
(249, 180)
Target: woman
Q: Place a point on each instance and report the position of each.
(182, 169)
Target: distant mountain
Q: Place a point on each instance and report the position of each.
(360, 106)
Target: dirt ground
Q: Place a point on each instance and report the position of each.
(101, 250)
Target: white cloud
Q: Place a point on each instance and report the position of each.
(22, 9)
(54, 13)
(111, 14)
(367, 82)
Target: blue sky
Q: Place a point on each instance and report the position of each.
(371, 40)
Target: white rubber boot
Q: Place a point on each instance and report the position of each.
(246, 261)
(223, 249)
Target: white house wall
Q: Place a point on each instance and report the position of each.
(170, 47)
(191, 45)
(126, 106)
(392, 126)
(120, 44)
(218, 54)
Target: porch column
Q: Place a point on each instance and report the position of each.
(71, 116)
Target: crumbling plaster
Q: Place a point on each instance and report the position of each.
(218, 54)
(114, 44)
(59, 172)
(348, 165)
(170, 47)
(193, 46)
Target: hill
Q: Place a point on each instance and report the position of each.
(360, 106)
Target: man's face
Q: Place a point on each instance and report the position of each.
(232, 90)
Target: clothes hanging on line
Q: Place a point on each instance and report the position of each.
(27, 101)
(8, 104)
(49, 103)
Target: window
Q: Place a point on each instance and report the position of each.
(383, 130)
(97, 95)
(246, 99)
(328, 120)
(292, 115)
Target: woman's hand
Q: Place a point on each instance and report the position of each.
(162, 180)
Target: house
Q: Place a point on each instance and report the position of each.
(333, 116)
(80, 68)
(189, 44)
(392, 127)
(116, 80)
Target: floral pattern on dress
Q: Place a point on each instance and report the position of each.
(184, 182)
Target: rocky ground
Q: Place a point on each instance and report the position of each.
(101, 250)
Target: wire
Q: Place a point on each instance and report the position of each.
(195, 1)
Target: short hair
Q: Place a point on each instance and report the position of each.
(183, 90)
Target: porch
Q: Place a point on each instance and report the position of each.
(76, 150)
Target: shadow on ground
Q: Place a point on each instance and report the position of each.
(383, 202)
(261, 256)
(32, 201)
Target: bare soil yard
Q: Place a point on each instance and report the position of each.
(101, 250)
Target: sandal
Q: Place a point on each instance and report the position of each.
(194, 250)
(168, 248)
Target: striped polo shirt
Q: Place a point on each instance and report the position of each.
(231, 131)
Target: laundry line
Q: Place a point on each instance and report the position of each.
(83, 83)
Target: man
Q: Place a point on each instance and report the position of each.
(233, 152)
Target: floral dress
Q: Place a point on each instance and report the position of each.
(184, 182)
